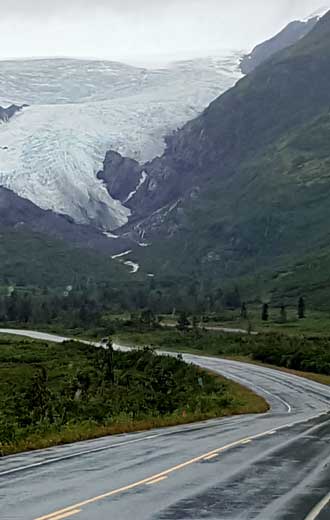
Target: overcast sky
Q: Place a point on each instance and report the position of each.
(130, 30)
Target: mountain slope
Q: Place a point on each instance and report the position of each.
(22, 215)
(250, 176)
(35, 260)
(290, 35)
(280, 95)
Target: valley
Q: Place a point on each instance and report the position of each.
(181, 193)
(165, 261)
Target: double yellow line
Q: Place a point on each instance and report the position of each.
(155, 479)
(76, 508)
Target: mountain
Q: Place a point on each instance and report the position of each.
(239, 197)
(19, 214)
(80, 109)
(290, 35)
(35, 260)
(242, 191)
(42, 248)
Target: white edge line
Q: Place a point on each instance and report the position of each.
(318, 508)
(105, 448)
(73, 455)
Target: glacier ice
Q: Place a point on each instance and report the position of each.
(51, 152)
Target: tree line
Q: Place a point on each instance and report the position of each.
(301, 311)
(80, 308)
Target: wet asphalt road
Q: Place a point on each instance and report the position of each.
(270, 467)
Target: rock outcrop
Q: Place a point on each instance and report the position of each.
(121, 176)
(9, 112)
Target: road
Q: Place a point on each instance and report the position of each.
(216, 328)
(270, 467)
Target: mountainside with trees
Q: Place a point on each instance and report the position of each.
(251, 178)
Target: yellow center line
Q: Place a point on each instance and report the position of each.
(209, 457)
(217, 451)
(66, 515)
(160, 479)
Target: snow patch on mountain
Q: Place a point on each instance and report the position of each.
(120, 255)
(51, 152)
(135, 267)
(110, 235)
(142, 180)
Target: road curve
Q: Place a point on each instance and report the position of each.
(270, 467)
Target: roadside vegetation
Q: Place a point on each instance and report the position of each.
(59, 393)
(287, 339)
(300, 353)
(52, 394)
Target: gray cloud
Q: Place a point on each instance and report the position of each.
(121, 29)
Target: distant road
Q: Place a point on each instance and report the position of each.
(215, 328)
(270, 467)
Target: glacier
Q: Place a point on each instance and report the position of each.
(51, 152)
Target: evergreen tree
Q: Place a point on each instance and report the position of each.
(301, 308)
(283, 314)
(195, 322)
(44, 312)
(244, 313)
(12, 307)
(109, 374)
(183, 322)
(265, 312)
(148, 318)
(24, 309)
